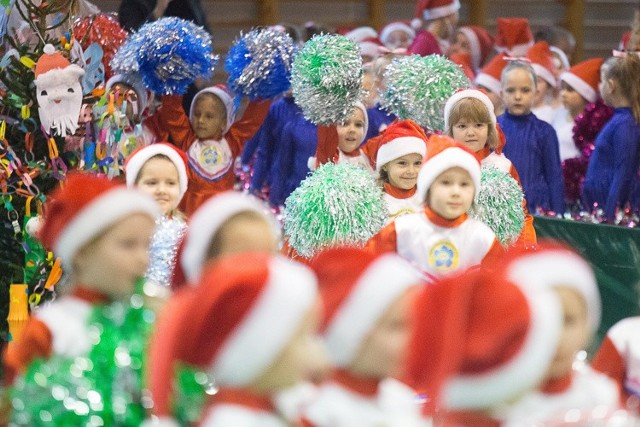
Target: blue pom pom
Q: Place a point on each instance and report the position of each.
(125, 60)
(259, 64)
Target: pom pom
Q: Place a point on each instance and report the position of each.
(173, 53)
(499, 204)
(326, 78)
(103, 29)
(259, 64)
(33, 226)
(417, 87)
(125, 60)
(339, 204)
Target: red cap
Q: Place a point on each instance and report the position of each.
(584, 77)
(542, 61)
(434, 9)
(480, 44)
(491, 74)
(398, 139)
(513, 36)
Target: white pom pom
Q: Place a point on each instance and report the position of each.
(33, 226)
(49, 49)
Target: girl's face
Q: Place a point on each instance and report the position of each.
(398, 39)
(351, 132)
(403, 171)
(209, 117)
(518, 92)
(159, 178)
(111, 263)
(571, 99)
(451, 194)
(460, 44)
(473, 135)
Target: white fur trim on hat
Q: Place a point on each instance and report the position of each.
(516, 50)
(447, 159)
(361, 33)
(582, 87)
(226, 99)
(396, 26)
(467, 93)
(544, 74)
(523, 371)
(57, 76)
(491, 83)
(136, 83)
(207, 220)
(474, 44)
(378, 287)
(97, 215)
(551, 268)
(441, 12)
(400, 147)
(136, 162)
(265, 330)
(563, 56)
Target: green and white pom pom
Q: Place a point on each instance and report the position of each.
(417, 87)
(499, 204)
(326, 78)
(339, 204)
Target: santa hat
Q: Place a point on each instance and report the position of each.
(542, 62)
(225, 96)
(584, 77)
(491, 74)
(370, 47)
(429, 10)
(246, 310)
(51, 66)
(445, 153)
(86, 207)
(480, 44)
(356, 288)
(552, 264)
(139, 157)
(396, 26)
(624, 41)
(135, 81)
(207, 220)
(513, 36)
(467, 93)
(480, 340)
(564, 60)
(361, 33)
(398, 139)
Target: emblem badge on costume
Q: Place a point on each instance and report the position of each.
(403, 211)
(444, 256)
(211, 160)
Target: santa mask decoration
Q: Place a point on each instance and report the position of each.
(59, 92)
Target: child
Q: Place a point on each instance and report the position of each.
(488, 79)
(469, 119)
(379, 118)
(222, 331)
(160, 170)
(101, 232)
(612, 173)
(542, 62)
(210, 138)
(532, 145)
(442, 238)
(367, 301)
(397, 35)
(474, 40)
(440, 21)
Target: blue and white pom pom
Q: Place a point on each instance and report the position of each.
(327, 78)
(417, 87)
(499, 204)
(173, 53)
(259, 64)
(125, 60)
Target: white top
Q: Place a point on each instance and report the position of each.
(625, 338)
(545, 112)
(360, 160)
(563, 124)
(67, 319)
(398, 207)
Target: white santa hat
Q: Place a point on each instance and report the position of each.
(139, 157)
(356, 288)
(399, 139)
(206, 222)
(52, 66)
(136, 83)
(86, 207)
(361, 33)
(467, 93)
(223, 94)
(444, 153)
(396, 26)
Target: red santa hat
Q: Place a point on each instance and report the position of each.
(398, 139)
(207, 220)
(370, 47)
(396, 26)
(52, 66)
(491, 74)
(467, 93)
(356, 288)
(480, 44)
(86, 207)
(584, 77)
(225, 96)
(429, 10)
(139, 157)
(542, 62)
(445, 153)
(479, 340)
(361, 33)
(513, 36)
(243, 314)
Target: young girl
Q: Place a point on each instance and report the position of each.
(160, 170)
(442, 238)
(397, 35)
(210, 138)
(379, 118)
(612, 173)
(544, 102)
(440, 22)
(532, 145)
(469, 119)
(367, 301)
(101, 231)
(475, 41)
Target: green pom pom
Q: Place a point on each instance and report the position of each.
(326, 78)
(499, 204)
(417, 87)
(336, 205)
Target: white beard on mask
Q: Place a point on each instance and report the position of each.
(59, 94)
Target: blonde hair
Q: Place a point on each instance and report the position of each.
(474, 111)
(175, 212)
(625, 72)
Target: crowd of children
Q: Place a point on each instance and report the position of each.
(433, 322)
